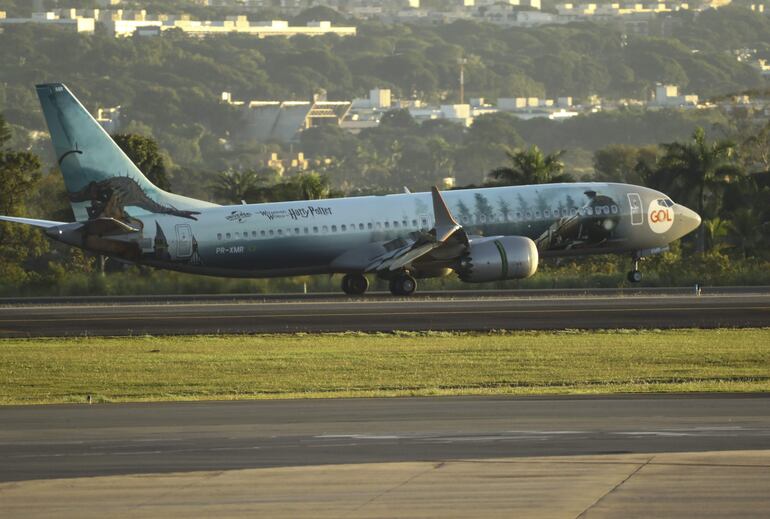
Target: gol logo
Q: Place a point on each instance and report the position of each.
(660, 218)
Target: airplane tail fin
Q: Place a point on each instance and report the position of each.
(100, 179)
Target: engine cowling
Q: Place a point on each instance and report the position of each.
(496, 259)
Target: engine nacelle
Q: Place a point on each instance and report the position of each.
(496, 259)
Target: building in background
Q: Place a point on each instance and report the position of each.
(283, 121)
(667, 96)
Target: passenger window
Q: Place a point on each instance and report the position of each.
(404, 223)
(296, 230)
(614, 209)
(528, 215)
(547, 213)
(343, 227)
(227, 236)
(219, 236)
(360, 227)
(334, 228)
(369, 225)
(537, 214)
(395, 225)
(272, 232)
(379, 225)
(325, 228)
(573, 211)
(261, 233)
(414, 224)
(424, 223)
(589, 211)
(280, 232)
(387, 225)
(518, 215)
(306, 230)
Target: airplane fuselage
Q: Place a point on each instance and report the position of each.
(306, 237)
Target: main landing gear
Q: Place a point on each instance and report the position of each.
(354, 284)
(634, 276)
(403, 285)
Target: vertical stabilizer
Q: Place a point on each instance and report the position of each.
(100, 179)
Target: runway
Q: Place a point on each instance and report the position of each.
(80, 440)
(461, 311)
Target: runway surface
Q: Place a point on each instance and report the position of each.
(70, 441)
(462, 311)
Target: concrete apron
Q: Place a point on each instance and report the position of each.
(705, 484)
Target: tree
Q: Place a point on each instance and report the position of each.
(745, 231)
(696, 172)
(235, 186)
(143, 151)
(313, 186)
(399, 119)
(531, 166)
(19, 174)
(617, 162)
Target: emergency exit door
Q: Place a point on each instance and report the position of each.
(183, 241)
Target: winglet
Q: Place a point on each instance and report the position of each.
(446, 225)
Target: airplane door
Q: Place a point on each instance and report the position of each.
(635, 203)
(183, 241)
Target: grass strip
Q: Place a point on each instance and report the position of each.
(36, 371)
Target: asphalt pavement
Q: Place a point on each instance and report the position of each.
(461, 311)
(65, 441)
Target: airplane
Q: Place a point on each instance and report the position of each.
(485, 234)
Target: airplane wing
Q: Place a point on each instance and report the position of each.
(444, 243)
(45, 224)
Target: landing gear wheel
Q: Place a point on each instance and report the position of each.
(634, 276)
(403, 285)
(354, 284)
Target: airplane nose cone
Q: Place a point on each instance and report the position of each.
(690, 220)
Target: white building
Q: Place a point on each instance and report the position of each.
(84, 25)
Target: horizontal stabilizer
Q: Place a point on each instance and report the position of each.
(107, 226)
(45, 224)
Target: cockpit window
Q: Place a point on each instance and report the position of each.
(665, 202)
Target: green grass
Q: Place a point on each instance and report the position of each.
(345, 365)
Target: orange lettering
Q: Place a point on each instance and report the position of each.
(661, 215)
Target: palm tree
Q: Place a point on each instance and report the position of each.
(235, 186)
(313, 186)
(716, 230)
(745, 230)
(531, 166)
(696, 171)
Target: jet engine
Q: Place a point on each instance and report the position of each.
(498, 258)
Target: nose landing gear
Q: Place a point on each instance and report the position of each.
(634, 276)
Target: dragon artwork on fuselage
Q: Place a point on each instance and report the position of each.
(109, 199)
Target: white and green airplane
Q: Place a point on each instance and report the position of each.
(487, 234)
